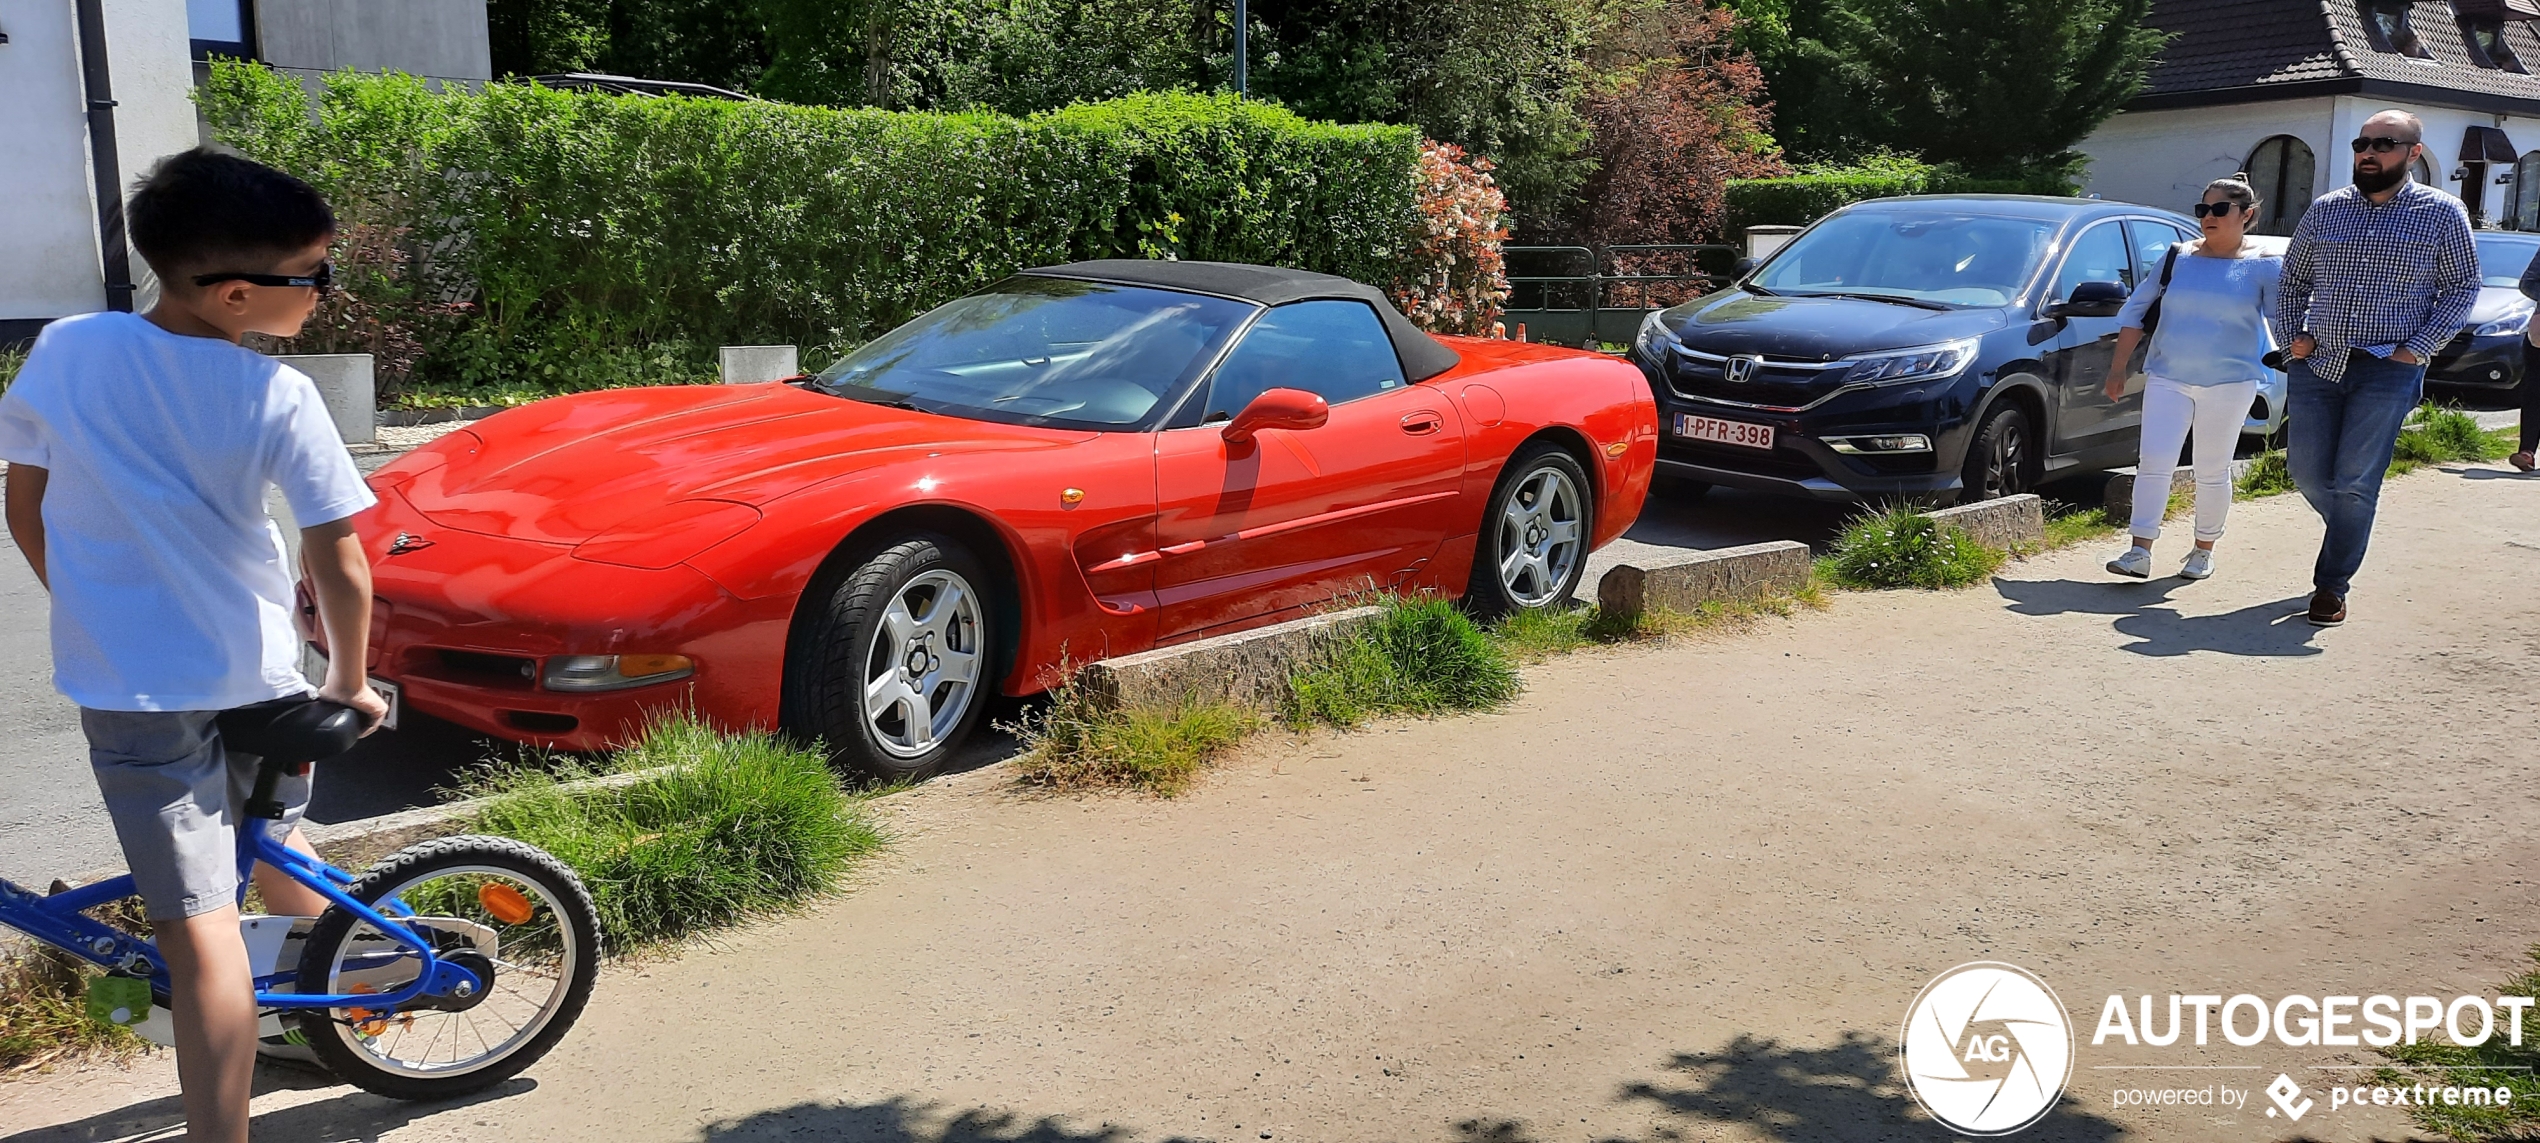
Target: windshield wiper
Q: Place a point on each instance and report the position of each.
(1917, 303)
(1761, 292)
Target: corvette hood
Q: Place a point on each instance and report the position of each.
(564, 470)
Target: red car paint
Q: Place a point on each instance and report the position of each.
(689, 521)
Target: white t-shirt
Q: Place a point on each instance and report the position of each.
(170, 590)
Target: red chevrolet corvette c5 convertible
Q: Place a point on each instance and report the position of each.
(1076, 463)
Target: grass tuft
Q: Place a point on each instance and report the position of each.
(1075, 743)
(1421, 657)
(1900, 547)
(735, 826)
(12, 359)
(2267, 476)
(44, 1014)
(2496, 1063)
(2439, 434)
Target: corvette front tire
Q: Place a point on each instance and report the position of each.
(890, 669)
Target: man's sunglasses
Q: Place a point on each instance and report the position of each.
(321, 281)
(2381, 144)
(2216, 209)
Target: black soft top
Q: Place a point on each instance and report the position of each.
(1422, 356)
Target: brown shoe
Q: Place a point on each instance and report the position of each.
(2525, 461)
(2327, 610)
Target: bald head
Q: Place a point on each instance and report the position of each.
(2396, 124)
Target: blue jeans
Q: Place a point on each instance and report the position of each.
(2339, 436)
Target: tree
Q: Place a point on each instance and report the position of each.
(1675, 113)
(1999, 87)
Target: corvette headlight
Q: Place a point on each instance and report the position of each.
(587, 673)
(2506, 326)
(1654, 339)
(1922, 363)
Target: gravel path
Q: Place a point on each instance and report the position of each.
(1675, 892)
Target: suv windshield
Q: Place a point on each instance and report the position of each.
(2502, 260)
(1034, 350)
(1947, 257)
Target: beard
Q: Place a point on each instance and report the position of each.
(2377, 183)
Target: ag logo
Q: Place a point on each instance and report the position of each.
(1741, 369)
(1987, 1048)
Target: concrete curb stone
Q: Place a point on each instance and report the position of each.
(1687, 581)
(1247, 668)
(2009, 523)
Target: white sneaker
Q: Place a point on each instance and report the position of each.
(2199, 565)
(2136, 562)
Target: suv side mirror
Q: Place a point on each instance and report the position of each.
(2091, 299)
(1744, 267)
(1292, 409)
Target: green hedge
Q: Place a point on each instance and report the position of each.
(610, 239)
(1798, 200)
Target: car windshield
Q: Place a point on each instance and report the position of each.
(1033, 350)
(1949, 257)
(2502, 260)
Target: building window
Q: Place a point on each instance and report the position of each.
(2386, 24)
(2487, 46)
(2285, 174)
(2423, 173)
(2525, 214)
(221, 27)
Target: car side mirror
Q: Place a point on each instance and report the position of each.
(1744, 267)
(1292, 409)
(2092, 300)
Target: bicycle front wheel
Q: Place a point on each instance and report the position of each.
(516, 918)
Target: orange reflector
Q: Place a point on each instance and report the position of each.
(504, 902)
(646, 666)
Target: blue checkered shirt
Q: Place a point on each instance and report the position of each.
(2377, 277)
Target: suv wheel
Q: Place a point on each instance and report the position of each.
(2001, 460)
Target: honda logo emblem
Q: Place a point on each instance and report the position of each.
(1740, 369)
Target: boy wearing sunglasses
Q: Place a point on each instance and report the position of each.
(140, 450)
(2378, 275)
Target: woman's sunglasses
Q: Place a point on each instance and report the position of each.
(2216, 209)
(321, 281)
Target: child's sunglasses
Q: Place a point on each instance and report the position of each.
(2217, 209)
(321, 281)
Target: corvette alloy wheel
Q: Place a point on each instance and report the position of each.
(921, 673)
(1542, 536)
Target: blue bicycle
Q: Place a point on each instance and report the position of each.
(446, 968)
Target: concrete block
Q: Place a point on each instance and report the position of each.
(2120, 494)
(1686, 581)
(352, 396)
(1247, 668)
(2010, 522)
(752, 364)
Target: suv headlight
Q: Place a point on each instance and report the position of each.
(2506, 326)
(1654, 339)
(1921, 363)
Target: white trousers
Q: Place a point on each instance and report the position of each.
(2216, 412)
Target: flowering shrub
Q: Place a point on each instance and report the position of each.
(1455, 280)
(379, 307)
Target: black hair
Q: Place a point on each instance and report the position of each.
(202, 211)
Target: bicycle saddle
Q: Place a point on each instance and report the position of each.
(291, 731)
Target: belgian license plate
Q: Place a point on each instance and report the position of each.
(1717, 431)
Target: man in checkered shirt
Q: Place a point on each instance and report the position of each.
(2378, 276)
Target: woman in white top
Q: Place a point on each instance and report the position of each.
(2206, 360)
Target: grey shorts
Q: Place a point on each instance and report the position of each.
(176, 798)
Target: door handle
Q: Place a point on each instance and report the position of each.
(1422, 423)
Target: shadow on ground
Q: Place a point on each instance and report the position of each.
(2143, 613)
(1847, 1093)
(348, 1117)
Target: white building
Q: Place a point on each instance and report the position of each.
(56, 147)
(2277, 88)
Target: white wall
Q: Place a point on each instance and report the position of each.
(49, 265)
(2165, 158)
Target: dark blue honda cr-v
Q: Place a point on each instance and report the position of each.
(1932, 348)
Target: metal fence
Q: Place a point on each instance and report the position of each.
(1577, 295)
